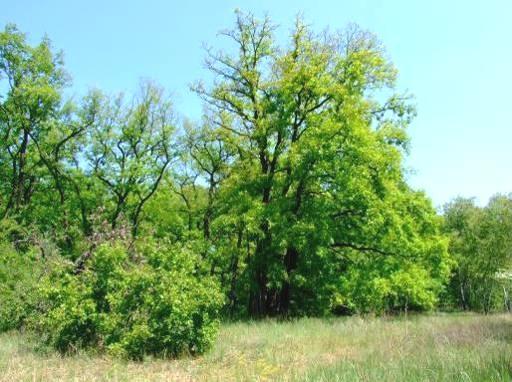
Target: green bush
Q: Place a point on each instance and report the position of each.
(18, 278)
(372, 289)
(153, 305)
(22, 265)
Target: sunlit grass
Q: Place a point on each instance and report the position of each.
(422, 348)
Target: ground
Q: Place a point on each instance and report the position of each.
(441, 347)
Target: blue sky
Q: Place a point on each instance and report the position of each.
(454, 56)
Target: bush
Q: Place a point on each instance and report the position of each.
(408, 287)
(22, 266)
(156, 305)
(18, 277)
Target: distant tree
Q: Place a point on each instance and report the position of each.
(481, 243)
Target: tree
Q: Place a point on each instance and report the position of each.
(41, 139)
(33, 78)
(317, 168)
(210, 158)
(130, 149)
(481, 243)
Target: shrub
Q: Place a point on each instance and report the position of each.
(408, 287)
(18, 277)
(22, 265)
(155, 305)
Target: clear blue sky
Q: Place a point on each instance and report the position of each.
(454, 56)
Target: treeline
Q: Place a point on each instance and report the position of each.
(128, 228)
(481, 247)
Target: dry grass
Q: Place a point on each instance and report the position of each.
(423, 348)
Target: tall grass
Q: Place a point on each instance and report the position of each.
(418, 348)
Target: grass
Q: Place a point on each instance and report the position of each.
(418, 348)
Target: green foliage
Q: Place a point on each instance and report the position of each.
(315, 185)
(129, 149)
(32, 79)
(388, 288)
(289, 198)
(18, 284)
(481, 243)
(22, 266)
(153, 306)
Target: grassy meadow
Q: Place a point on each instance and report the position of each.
(418, 348)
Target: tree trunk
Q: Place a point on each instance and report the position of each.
(258, 306)
(290, 262)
